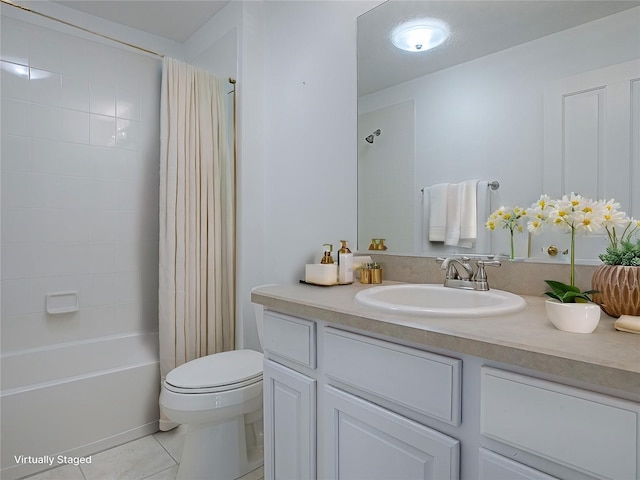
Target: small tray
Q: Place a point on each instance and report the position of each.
(320, 284)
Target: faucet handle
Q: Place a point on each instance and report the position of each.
(488, 263)
(481, 274)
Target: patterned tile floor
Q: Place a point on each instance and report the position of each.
(154, 457)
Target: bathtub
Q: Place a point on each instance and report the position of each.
(76, 399)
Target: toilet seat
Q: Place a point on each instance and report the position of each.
(216, 373)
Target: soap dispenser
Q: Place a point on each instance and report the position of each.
(327, 258)
(323, 273)
(345, 264)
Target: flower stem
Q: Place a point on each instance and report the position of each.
(512, 250)
(573, 257)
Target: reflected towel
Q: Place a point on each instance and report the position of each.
(452, 232)
(426, 196)
(483, 242)
(435, 203)
(468, 194)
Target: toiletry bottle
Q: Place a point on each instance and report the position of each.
(345, 264)
(327, 258)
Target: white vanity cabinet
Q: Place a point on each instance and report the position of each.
(593, 435)
(355, 399)
(341, 403)
(289, 398)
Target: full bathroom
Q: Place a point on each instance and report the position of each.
(314, 151)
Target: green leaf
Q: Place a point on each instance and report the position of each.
(568, 293)
(560, 288)
(553, 295)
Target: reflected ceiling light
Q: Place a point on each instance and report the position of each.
(24, 71)
(16, 69)
(420, 35)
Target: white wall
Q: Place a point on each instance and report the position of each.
(310, 130)
(251, 167)
(79, 187)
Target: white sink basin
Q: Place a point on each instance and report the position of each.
(440, 301)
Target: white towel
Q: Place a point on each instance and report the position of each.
(483, 242)
(435, 198)
(452, 232)
(426, 201)
(426, 194)
(468, 193)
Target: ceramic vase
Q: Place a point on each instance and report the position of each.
(619, 289)
(573, 317)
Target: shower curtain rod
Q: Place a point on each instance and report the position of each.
(69, 24)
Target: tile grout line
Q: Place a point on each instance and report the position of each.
(156, 473)
(164, 448)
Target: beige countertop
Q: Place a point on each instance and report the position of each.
(526, 339)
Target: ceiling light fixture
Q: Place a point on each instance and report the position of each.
(420, 35)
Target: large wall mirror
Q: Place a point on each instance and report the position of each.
(541, 96)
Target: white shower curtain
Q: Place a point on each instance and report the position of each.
(197, 253)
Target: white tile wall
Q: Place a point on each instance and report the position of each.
(80, 174)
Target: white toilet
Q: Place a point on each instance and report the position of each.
(219, 398)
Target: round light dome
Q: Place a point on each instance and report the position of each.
(420, 35)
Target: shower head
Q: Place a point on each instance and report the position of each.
(370, 138)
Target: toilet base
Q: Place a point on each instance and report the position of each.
(220, 451)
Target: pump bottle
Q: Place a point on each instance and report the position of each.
(345, 264)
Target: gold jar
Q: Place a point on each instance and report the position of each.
(376, 273)
(365, 274)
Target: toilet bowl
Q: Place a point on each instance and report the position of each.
(219, 399)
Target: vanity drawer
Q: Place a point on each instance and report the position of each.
(589, 432)
(420, 381)
(290, 338)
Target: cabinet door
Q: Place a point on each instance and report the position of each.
(289, 424)
(496, 467)
(364, 441)
(588, 432)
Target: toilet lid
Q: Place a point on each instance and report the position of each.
(218, 370)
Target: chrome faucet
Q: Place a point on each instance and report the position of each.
(458, 268)
(460, 273)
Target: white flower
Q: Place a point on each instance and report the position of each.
(535, 225)
(506, 217)
(611, 216)
(570, 213)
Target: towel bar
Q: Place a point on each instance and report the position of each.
(494, 185)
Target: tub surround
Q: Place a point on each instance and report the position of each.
(604, 360)
(54, 404)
